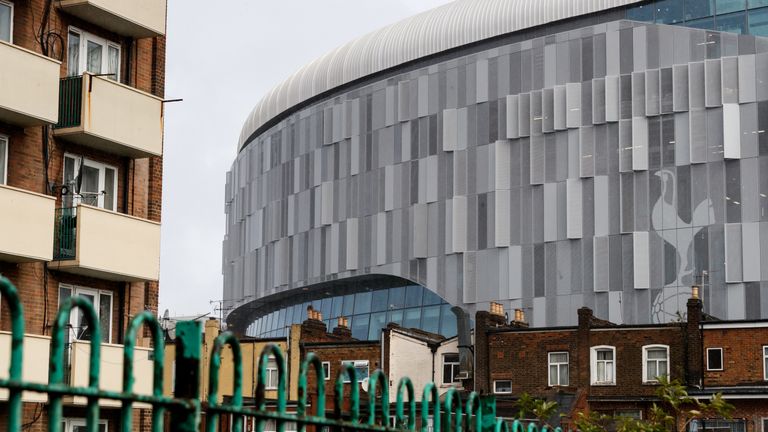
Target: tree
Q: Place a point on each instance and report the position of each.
(529, 407)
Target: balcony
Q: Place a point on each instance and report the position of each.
(111, 373)
(26, 225)
(91, 241)
(109, 116)
(35, 367)
(29, 87)
(134, 18)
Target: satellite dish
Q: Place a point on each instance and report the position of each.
(364, 384)
(166, 315)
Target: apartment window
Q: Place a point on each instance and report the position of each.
(3, 159)
(558, 369)
(718, 425)
(78, 425)
(502, 387)
(102, 303)
(90, 53)
(765, 362)
(361, 369)
(603, 365)
(272, 374)
(629, 413)
(6, 21)
(327, 370)
(715, 359)
(89, 182)
(450, 368)
(656, 362)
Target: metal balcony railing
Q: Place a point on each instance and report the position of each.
(65, 234)
(70, 102)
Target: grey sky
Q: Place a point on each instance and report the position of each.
(221, 60)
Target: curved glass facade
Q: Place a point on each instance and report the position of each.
(411, 306)
(735, 16)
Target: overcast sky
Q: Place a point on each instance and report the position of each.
(221, 60)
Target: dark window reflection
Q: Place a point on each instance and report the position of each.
(363, 303)
(413, 296)
(397, 298)
(379, 302)
(734, 23)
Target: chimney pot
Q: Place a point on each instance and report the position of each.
(695, 292)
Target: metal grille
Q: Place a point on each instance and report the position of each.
(474, 414)
(65, 235)
(70, 102)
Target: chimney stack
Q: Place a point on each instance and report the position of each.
(695, 361)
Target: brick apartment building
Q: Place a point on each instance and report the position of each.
(612, 369)
(81, 139)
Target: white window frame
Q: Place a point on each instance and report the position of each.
(765, 362)
(722, 363)
(550, 363)
(70, 422)
(10, 30)
(593, 365)
(83, 51)
(356, 364)
(456, 364)
(272, 367)
(327, 370)
(96, 293)
(102, 167)
(496, 387)
(5, 139)
(764, 423)
(646, 348)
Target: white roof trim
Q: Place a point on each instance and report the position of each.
(449, 26)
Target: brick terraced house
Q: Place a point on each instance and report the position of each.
(614, 369)
(81, 147)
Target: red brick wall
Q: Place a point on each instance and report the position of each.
(139, 181)
(742, 356)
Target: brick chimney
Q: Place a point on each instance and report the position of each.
(342, 329)
(313, 328)
(583, 347)
(694, 354)
(485, 321)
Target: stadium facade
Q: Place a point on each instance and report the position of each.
(544, 154)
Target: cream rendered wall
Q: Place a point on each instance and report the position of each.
(35, 364)
(408, 357)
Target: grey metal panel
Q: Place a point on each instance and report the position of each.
(680, 88)
(612, 98)
(747, 84)
(733, 253)
(713, 86)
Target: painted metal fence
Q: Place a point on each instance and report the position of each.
(474, 414)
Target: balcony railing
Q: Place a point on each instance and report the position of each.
(70, 102)
(65, 237)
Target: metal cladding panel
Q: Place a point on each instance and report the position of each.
(615, 181)
(453, 25)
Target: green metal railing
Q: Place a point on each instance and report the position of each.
(70, 102)
(476, 414)
(65, 233)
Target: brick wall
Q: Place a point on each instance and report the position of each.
(139, 181)
(742, 356)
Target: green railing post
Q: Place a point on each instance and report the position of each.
(488, 412)
(11, 297)
(226, 338)
(187, 379)
(126, 412)
(311, 360)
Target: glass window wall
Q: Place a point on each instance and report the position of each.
(411, 306)
(735, 16)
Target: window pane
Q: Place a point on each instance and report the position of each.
(431, 319)
(378, 321)
(563, 374)
(757, 3)
(669, 11)
(3, 156)
(699, 8)
(109, 189)
(430, 298)
(601, 371)
(558, 357)
(379, 302)
(73, 54)
(395, 317)
(657, 354)
(360, 326)
(553, 375)
(105, 316)
(5, 23)
(758, 22)
(325, 307)
(363, 303)
(349, 305)
(641, 13)
(725, 6)
(413, 296)
(652, 371)
(704, 23)
(397, 298)
(113, 67)
(337, 304)
(447, 321)
(734, 23)
(89, 187)
(412, 318)
(95, 53)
